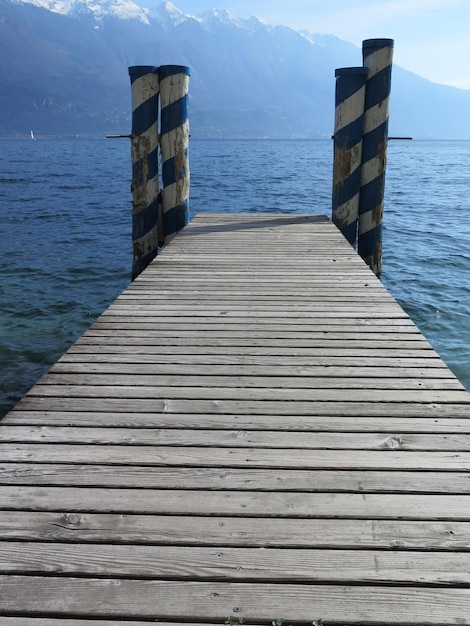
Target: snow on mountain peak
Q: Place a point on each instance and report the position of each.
(50, 5)
(121, 9)
(165, 12)
(221, 16)
(168, 14)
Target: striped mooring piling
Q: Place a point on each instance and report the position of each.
(144, 151)
(362, 100)
(174, 143)
(377, 58)
(349, 120)
(158, 213)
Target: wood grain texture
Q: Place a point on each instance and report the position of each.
(104, 528)
(353, 408)
(245, 503)
(219, 478)
(405, 422)
(237, 564)
(208, 438)
(173, 600)
(254, 429)
(190, 456)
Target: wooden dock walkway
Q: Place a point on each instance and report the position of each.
(254, 429)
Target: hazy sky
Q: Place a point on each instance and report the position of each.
(432, 37)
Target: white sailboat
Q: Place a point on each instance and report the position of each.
(32, 136)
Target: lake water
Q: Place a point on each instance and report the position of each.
(65, 232)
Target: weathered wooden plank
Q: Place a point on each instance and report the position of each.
(308, 263)
(389, 356)
(246, 361)
(235, 438)
(271, 219)
(213, 220)
(240, 338)
(152, 291)
(240, 407)
(242, 381)
(296, 328)
(320, 264)
(316, 359)
(186, 257)
(387, 459)
(308, 311)
(266, 276)
(232, 564)
(241, 503)
(247, 394)
(262, 251)
(215, 601)
(236, 457)
(150, 285)
(321, 257)
(327, 255)
(216, 296)
(115, 528)
(207, 373)
(244, 260)
(247, 322)
(311, 292)
(355, 481)
(163, 328)
(311, 279)
(395, 422)
(155, 292)
(342, 269)
(206, 342)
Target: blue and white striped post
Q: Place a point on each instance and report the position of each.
(144, 149)
(349, 120)
(377, 58)
(174, 143)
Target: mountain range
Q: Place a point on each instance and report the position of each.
(64, 71)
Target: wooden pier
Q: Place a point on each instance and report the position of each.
(254, 429)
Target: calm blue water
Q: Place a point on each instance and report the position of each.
(65, 232)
